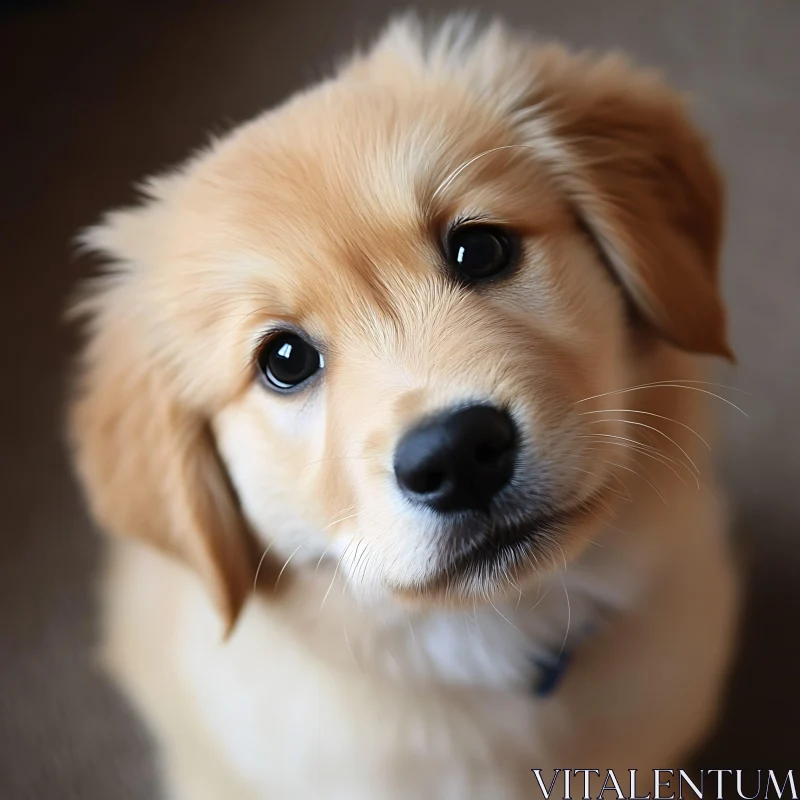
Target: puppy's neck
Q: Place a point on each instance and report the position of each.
(491, 644)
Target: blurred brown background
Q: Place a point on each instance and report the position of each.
(97, 94)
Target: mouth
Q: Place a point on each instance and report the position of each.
(492, 551)
(503, 547)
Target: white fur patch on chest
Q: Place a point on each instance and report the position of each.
(377, 675)
(492, 646)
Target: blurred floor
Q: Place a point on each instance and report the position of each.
(95, 95)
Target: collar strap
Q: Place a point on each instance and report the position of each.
(551, 667)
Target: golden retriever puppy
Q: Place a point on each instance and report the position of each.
(392, 401)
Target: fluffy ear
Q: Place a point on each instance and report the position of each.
(620, 144)
(148, 464)
(643, 183)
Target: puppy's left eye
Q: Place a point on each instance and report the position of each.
(477, 252)
(287, 360)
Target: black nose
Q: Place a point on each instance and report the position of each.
(459, 460)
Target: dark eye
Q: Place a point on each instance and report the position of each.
(287, 360)
(480, 251)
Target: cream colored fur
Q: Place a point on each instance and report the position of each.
(270, 606)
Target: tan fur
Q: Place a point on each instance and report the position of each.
(328, 214)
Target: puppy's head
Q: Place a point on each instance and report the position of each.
(357, 328)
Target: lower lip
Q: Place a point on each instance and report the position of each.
(497, 543)
(505, 541)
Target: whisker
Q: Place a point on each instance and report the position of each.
(350, 649)
(592, 542)
(649, 414)
(339, 458)
(656, 455)
(656, 430)
(355, 556)
(470, 633)
(337, 521)
(356, 561)
(515, 587)
(626, 496)
(286, 563)
(335, 573)
(624, 486)
(324, 553)
(663, 385)
(622, 466)
(260, 563)
(606, 506)
(634, 443)
(365, 564)
(658, 460)
(539, 600)
(569, 607)
(605, 522)
(411, 631)
(503, 615)
(705, 383)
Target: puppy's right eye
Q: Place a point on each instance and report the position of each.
(287, 361)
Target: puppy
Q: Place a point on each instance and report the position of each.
(392, 401)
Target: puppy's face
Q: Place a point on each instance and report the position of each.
(384, 303)
(415, 334)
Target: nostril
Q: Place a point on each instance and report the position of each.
(489, 452)
(427, 482)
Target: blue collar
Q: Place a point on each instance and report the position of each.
(551, 667)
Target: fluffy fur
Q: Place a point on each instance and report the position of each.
(283, 620)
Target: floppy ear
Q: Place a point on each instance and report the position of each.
(644, 185)
(148, 464)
